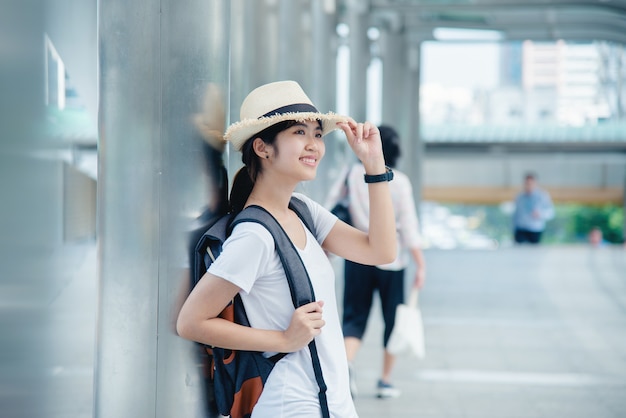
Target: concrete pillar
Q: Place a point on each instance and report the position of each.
(267, 47)
(414, 154)
(401, 91)
(358, 43)
(321, 87)
(395, 97)
(267, 43)
(324, 52)
(163, 76)
(290, 41)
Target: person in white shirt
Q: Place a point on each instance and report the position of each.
(280, 135)
(361, 281)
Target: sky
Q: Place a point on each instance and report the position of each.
(460, 64)
(451, 64)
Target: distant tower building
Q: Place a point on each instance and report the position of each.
(561, 82)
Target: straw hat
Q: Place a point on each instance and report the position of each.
(276, 102)
(210, 121)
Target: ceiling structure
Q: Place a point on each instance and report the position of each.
(592, 151)
(514, 20)
(538, 20)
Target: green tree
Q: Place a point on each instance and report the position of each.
(609, 218)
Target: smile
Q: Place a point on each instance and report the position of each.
(309, 160)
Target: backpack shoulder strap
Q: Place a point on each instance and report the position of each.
(303, 212)
(297, 276)
(300, 285)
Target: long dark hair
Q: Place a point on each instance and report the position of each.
(391, 144)
(247, 175)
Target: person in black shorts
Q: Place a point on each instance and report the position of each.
(361, 281)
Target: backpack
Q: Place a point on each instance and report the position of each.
(236, 377)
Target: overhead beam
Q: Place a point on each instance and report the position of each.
(497, 195)
(618, 7)
(579, 21)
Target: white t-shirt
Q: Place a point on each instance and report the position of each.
(249, 260)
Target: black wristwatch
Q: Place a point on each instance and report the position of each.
(377, 178)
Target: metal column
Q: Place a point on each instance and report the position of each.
(359, 59)
(322, 88)
(163, 76)
(395, 107)
(414, 159)
(324, 54)
(401, 106)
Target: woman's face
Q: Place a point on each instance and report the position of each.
(301, 150)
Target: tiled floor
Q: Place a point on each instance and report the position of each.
(518, 332)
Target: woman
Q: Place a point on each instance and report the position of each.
(280, 136)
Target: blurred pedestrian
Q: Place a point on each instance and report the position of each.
(533, 208)
(596, 237)
(362, 281)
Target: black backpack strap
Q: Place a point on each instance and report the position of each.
(298, 279)
(297, 276)
(303, 212)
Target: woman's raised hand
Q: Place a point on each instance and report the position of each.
(306, 323)
(364, 139)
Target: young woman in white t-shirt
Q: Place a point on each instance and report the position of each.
(280, 136)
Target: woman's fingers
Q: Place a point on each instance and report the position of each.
(357, 131)
(306, 323)
(364, 138)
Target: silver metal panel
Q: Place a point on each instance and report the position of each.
(359, 61)
(163, 81)
(401, 93)
(321, 88)
(395, 101)
(324, 56)
(194, 65)
(128, 205)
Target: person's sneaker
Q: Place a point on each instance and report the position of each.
(352, 377)
(386, 390)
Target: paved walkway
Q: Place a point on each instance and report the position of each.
(519, 332)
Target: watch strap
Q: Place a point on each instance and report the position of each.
(377, 178)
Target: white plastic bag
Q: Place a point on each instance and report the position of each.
(407, 335)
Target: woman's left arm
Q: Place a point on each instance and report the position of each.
(378, 245)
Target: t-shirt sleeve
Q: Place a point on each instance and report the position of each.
(322, 218)
(245, 255)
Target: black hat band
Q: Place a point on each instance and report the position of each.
(292, 108)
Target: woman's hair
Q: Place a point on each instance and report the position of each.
(391, 144)
(218, 177)
(247, 175)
